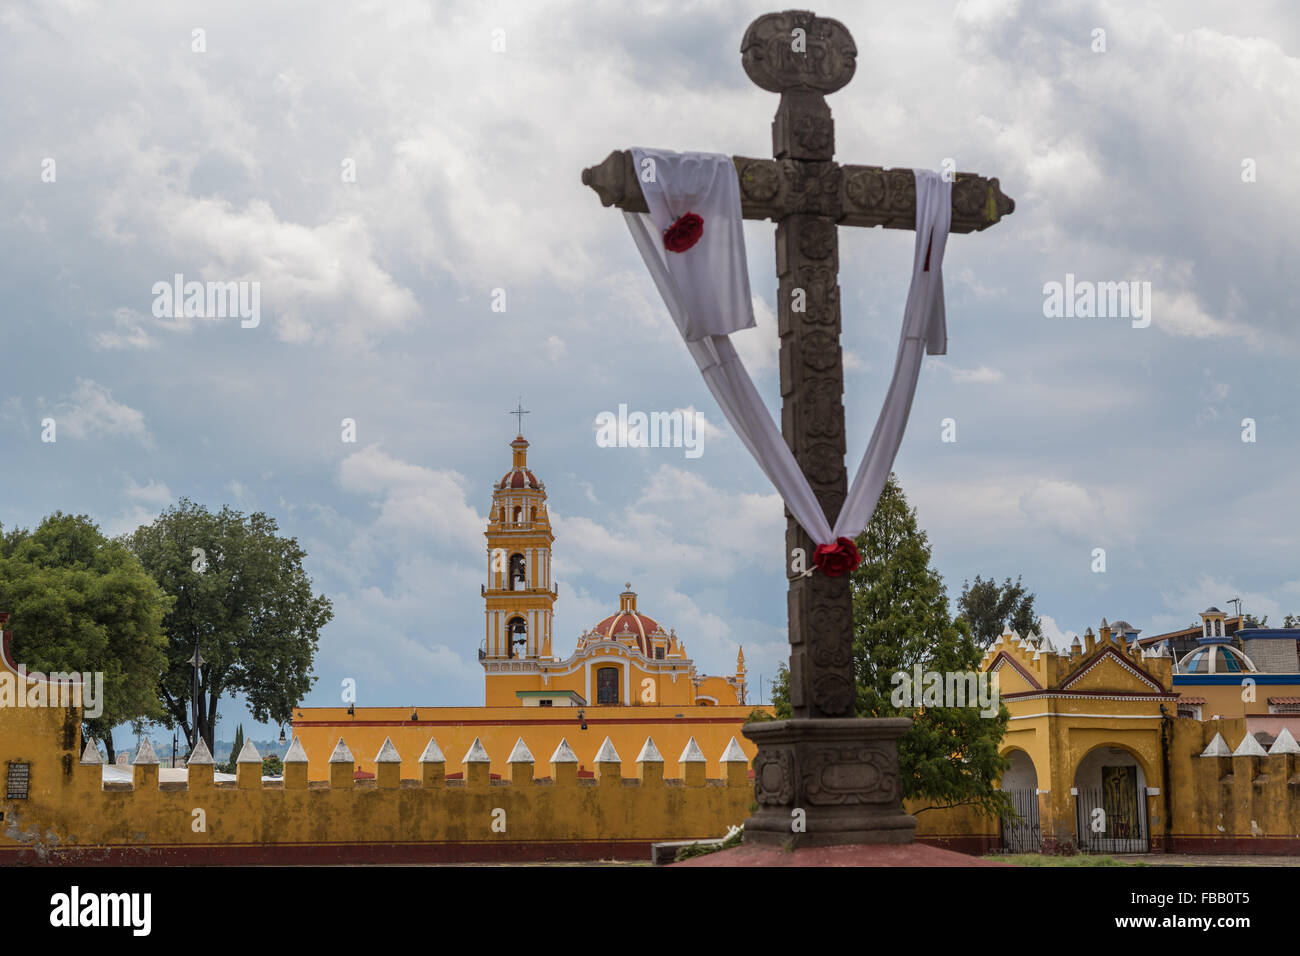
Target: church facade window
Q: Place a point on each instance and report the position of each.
(607, 685)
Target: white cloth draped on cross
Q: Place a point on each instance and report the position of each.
(701, 273)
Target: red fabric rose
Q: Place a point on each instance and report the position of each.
(838, 558)
(684, 233)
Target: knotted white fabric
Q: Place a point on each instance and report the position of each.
(706, 290)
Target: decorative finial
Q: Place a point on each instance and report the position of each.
(520, 412)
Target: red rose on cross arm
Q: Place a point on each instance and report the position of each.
(838, 558)
(684, 233)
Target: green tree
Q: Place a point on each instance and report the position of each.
(988, 608)
(243, 598)
(949, 757)
(81, 602)
(1252, 621)
(272, 767)
(232, 764)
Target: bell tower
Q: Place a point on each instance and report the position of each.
(519, 595)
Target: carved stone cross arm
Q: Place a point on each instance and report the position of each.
(850, 195)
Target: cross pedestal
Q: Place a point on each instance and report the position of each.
(825, 776)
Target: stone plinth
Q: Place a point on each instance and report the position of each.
(822, 782)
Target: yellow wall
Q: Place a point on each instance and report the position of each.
(411, 806)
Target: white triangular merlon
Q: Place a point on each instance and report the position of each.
(649, 753)
(1014, 637)
(388, 753)
(248, 754)
(1063, 651)
(91, 754)
(521, 753)
(998, 642)
(145, 754)
(1285, 744)
(1218, 747)
(733, 753)
(1249, 747)
(200, 755)
(341, 753)
(476, 753)
(607, 753)
(1037, 655)
(432, 753)
(295, 753)
(564, 753)
(692, 753)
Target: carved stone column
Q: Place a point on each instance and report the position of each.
(824, 777)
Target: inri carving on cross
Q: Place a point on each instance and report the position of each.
(803, 57)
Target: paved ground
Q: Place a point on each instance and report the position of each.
(1210, 859)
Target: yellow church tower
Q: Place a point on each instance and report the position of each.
(519, 595)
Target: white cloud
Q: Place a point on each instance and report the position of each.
(414, 500)
(760, 346)
(983, 375)
(92, 412)
(128, 332)
(1064, 507)
(152, 493)
(1052, 631)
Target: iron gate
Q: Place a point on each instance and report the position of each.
(1110, 819)
(1021, 834)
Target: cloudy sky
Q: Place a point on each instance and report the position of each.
(228, 164)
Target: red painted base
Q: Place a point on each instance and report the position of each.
(880, 854)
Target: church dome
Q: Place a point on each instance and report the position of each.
(629, 622)
(519, 476)
(1215, 657)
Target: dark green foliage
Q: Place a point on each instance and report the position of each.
(246, 601)
(989, 608)
(81, 602)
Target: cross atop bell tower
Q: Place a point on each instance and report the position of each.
(519, 411)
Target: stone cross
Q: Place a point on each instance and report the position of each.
(824, 777)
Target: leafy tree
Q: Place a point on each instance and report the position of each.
(1291, 620)
(243, 598)
(272, 767)
(950, 756)
(232, 764)
(988, 608)
(84, 603)
(1251, 621)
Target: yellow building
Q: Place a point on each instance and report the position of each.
(1107, 752)
(627, 677)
